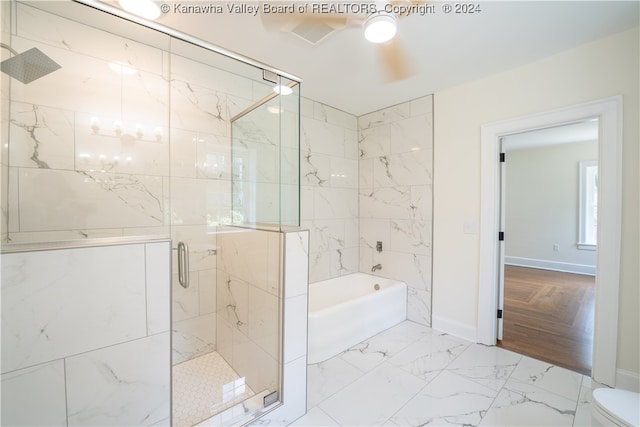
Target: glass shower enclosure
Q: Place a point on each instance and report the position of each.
(142, 134)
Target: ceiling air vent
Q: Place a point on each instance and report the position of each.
(313, 31)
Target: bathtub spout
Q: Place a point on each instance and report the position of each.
(376, 267)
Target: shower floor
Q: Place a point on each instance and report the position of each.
(203, 387)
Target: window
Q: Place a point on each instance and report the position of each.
(588, 221)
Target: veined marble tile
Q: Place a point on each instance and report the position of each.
(365, 173)
(327, 234)
(412, 135)
(207, 286)
(126, 384)
(158, 288)
(331, 115)
(67, 200)
(45, 293)
(336, 203)
(402, 169)
(290, 166)
(198, 108)
(255, 364)
(521, 404)
(199, 201)
(583, 417)
(376, 350)
(344, 172)
(327, 378)
(77, 37)
(488, 366)
(35, 396)
(390, 202)
(410, 236)
(84, 83)
(255, 162)
(233, 301)
(296, 273)
(145, 104)
(202, 243)
(384, 116)
(351, 147)
(428, 356)
(56, 236)
(356, 405)
(321, 137)
(374, 142)
(183, 152)
(295, 328)
(422, 202)
(419, 305)
(263, 321)
(447, 400)
(193, 337)
(413, 269)
(243, 253)
(315, 169)
(307, 202)
(198, 71)
(185, 302)
(548, 377)
(315, 417)
(41, 137)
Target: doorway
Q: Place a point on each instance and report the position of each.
(548, 256)
(609, 113)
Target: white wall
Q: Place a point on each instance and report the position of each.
(542, 206)
(596, 70)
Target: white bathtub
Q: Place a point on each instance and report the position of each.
(347, 310)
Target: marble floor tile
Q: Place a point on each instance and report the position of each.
(374, 398)
(520, 404)
(326, 378)
(489, 366)
(449, 399)
(426, 357)
(372, 352)
(411, 375)
(315, 417)
(548, 377)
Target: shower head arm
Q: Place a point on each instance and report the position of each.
(9, 48)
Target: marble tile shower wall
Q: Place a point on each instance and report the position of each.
(329, 189)
(248, 304)
(395, 172)
(85, 334)
(122, 140)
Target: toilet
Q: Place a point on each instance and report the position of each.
(615, 407)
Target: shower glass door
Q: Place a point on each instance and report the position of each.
(135, 139)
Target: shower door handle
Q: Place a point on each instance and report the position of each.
(183, 264)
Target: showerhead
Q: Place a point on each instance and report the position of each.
(29, 65)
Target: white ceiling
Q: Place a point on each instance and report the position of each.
(343, 71)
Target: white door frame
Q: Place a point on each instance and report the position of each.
(605, 334)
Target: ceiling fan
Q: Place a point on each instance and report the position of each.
(378, 20)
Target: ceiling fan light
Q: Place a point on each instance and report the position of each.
(380, 28)
(147, 9)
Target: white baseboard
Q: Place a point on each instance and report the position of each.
(454, 328)
(628, 380)
(566, 267)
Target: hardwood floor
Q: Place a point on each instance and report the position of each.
(548, 315)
